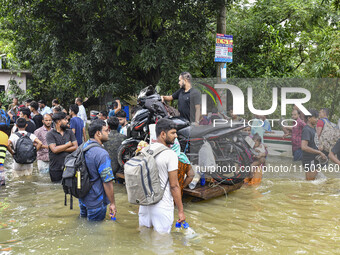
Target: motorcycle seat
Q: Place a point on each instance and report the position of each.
(206, 131)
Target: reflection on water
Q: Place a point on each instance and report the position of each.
(285, 215)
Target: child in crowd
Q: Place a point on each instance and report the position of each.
(255, 175)
(257, 127)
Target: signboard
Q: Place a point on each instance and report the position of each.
(224, 48)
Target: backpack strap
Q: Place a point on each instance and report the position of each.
(18, 134)
(91, 145)
(154, 152)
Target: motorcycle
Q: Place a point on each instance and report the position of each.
(230, 149)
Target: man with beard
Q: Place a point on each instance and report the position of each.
(93, 206)
(42, 154)
(309, 147)
(160, 216)
(61, 142)
(115, 140)
(189, 99)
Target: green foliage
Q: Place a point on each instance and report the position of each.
(97, 47)
(83, 48)
(279, 38)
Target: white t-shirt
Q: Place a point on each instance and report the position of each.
(82, 114)
(14, 138)
(166, 161)
(123, 130)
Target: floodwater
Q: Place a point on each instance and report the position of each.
(284, 215)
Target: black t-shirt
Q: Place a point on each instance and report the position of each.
(336, 149)
(54, 137)
(187, 101)
(308, 134)
(38, 120)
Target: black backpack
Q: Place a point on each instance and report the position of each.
(76, 179)
(4, 118)
(25, 152)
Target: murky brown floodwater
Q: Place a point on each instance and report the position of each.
(285, 215)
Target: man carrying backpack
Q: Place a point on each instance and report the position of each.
(23, 146)
(93, 206)
(160, 216)
(61, 142)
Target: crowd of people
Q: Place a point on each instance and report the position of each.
(55, 133)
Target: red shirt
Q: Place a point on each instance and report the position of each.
(296, 134)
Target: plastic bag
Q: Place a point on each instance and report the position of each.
(206, 158)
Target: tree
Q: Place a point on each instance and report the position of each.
(97, 47)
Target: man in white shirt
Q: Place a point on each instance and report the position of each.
(43, 108)
(160, 216)
(21, 169)
(82, 112)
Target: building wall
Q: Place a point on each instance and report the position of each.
(6, 76)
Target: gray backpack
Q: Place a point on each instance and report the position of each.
(142, 180)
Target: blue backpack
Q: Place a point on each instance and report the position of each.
(4, 118)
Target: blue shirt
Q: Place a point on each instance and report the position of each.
(112, 113)
(77, 124)
(257, 127)
(266, 126)
(98, 163)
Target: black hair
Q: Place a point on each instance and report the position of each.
(55, 101)
(42, 102)
(58, 116)
(113, 123)
(186, 76)
(104, 113)
(257, 138)
(28, 100)
(78, 99)
(164, 125)
(114, 104)
(96, 125)
(74, 108)
(4, 128)
(313, 113)
(57, 109)
(25, 111)
(34, 105)
(21, 123)
(326, 110)
(121, 114)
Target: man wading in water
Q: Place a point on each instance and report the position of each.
(160, 216)
(309, 148)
